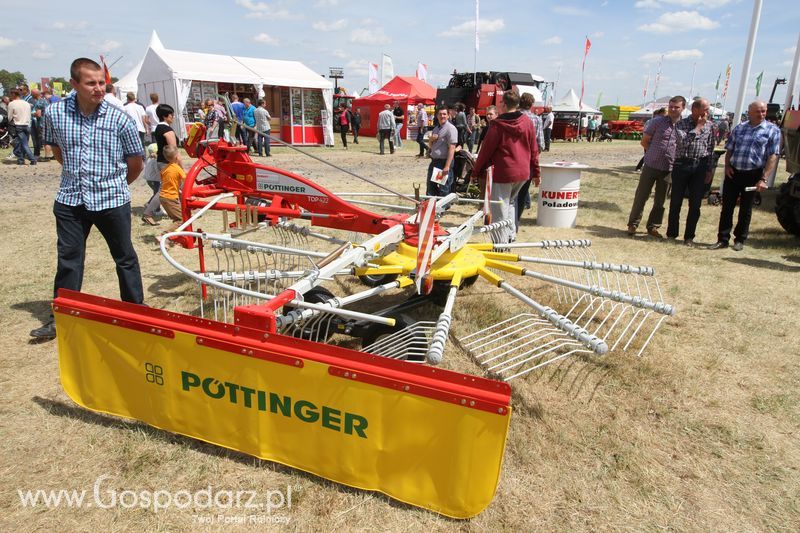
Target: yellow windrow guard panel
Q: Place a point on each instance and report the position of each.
(428, 437)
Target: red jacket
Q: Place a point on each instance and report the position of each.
(510, 145)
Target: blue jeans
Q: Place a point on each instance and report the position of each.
(22, 150)
(434, 189)
(423, 147)
(398, 142)
(262, 144)
(73, 224)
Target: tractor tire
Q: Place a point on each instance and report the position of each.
(376, 332)
(374, 281)
(787, 205)
(317, 295)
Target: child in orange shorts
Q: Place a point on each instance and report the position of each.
(172, 177)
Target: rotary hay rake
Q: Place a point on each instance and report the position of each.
(268, 368)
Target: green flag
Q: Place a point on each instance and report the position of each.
(716, 88)
(758, 82)
(599, 96)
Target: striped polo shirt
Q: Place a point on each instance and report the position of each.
(94, 150)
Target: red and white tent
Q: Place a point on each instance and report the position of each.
(407, 90)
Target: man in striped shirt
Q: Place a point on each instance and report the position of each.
(99, 149)
(692, 169)
(752, 153)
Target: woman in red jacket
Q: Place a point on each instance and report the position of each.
(510, 147)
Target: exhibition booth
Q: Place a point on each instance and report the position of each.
(298, 99)
(407, 91)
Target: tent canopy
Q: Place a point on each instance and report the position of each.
(571, 103)
(402, 88)
(128, 83)
(170, 73)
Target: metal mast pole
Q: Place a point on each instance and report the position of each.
(793, 78)
(748, 59)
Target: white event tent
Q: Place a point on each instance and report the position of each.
(572, 104)
(298, 99)
(128, 83)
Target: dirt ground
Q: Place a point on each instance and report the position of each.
(700, 433)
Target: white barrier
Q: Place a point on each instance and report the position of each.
(559, 192)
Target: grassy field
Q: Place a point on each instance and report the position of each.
(699, 434)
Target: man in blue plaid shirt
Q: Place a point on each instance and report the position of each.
(752, 154)
(99, 149)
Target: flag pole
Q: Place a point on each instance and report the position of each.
(691, 87)
(748, 59)
(477, 44)
(793, 78)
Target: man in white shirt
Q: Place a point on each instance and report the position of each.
(19, 114)
(138, 115)
(547, 125)
(152, 118)
(111, 99)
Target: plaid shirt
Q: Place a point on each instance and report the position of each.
(94, 149)
(661, 150)
(750, 146)
(698, 147)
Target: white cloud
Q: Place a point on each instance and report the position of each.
(571, 11)
(672, 55)
(338, 53)
(6, 42)
(252, 6)
(264, 38)
(553, 40)
(598, 34)
(330, 26)
(372, 36)
(790, 50)
(59, 25)
(698, 4)
(679, 22)
(108, 45)
(275, 14)
(468, 28)
(327, 3)
(42, 51)
(357, 67)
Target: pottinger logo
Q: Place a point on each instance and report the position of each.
(154, 373)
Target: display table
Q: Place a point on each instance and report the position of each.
(558, 194)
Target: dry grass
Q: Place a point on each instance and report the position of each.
(699, 434)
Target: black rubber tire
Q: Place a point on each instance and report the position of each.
(374, 281)
(317, 295)
(787, 207)
(378, 331)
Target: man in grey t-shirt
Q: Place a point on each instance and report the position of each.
(386, 127)
(443, 140)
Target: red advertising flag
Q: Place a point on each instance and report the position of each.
(583, 67)
(105, 70)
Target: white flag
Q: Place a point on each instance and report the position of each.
(387, 70)
(422, 71)
(373, 78)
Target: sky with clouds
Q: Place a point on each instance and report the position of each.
(546, 38)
